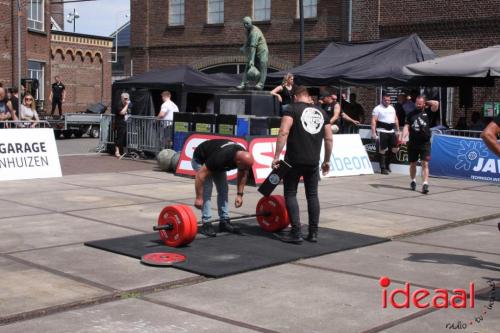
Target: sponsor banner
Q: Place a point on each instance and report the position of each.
(184, 166)
(28, 153)
(263, 150)
(349, 157)
(460, 157)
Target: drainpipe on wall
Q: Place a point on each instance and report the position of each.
(349, 24)
(302, 47)
(19, 62)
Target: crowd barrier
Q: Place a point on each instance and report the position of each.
(144, 134)
(24, 124)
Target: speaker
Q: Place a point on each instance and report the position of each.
(465, 97)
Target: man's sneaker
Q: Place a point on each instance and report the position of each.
(226, 226)
(208, 229)
(413, 185)
(290, 237)
(384, 171)
(425, 189)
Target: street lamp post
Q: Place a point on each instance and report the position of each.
(72, 18)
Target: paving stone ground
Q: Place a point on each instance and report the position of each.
(51, 282)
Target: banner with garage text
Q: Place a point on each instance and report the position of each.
(28, 153)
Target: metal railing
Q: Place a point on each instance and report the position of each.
(107, 135)
(463, 133)
(24, 124)
(148, 134)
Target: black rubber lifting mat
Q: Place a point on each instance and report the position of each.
(229, 254)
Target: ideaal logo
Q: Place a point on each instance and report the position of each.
(439, 299)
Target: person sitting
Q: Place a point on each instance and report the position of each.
(476, 122)
(27, 111)
(284, 92)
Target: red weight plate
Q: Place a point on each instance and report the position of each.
(274, 204)
(193, 221)
(286, 219)
(162, 258)
(179, 219)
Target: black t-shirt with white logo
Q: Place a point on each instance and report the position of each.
(57, 89)
(217, 155)
(419, 123)
(306, 135)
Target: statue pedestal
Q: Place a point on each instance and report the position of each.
(247, 102)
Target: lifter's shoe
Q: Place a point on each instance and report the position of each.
(413, 185)
(227, 226)
(312, 237)
(208, 230)
(291, 237)
(384, 171)
(425, 189)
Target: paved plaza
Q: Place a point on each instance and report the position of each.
(52, 282)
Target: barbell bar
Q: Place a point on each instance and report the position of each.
(178, 224)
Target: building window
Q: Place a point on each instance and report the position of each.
(215, 11)
(310, 8)
(261, 10)
(35, 14)
(176, 12)
(36, 71)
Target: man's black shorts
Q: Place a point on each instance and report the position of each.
(387, 141)
(416, 152)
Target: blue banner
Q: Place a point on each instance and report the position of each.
(461, 157)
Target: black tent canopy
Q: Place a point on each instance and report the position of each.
(180, 80)
(362, 63)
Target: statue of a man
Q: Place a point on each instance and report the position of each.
(257, 54)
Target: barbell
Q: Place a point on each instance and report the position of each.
(178, 224)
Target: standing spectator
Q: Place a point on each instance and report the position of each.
(353, 111)
(166, 115)
(303, 129)
(490, 136)
(400, 111)
(340, 118)
(6, 109)
(14, 98)
(167, 108)
(385, 128)
(57, 95)
(357, 112)
(284, 92)
(328, 104)
(409, 105)
(121, 115)
(27, 111)
(419, 143)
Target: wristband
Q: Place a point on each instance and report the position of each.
(239, 193)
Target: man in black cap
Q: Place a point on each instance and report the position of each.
(211, 160)
(57, 95)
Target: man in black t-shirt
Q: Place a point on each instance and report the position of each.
(57, 95)
(490, 135)
(211, 160)
(417, 125)
(303, 129)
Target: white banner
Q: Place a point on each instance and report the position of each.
(349, 157)
(28, 153)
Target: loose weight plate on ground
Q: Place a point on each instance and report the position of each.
(181, 231)
(162, 258)
(278, 217)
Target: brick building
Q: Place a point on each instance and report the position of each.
(43, 54)
(207, 34)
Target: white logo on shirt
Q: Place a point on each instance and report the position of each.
(312, 120)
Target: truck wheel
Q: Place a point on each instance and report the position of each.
(78, 134)
(67, 134)
(57, 134)
(94, 132)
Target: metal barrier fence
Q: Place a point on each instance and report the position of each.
(107, 134)
(464, 133)
(24, 124)
(148, 134)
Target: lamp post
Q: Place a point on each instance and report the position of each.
(72, 18)
(19, 59)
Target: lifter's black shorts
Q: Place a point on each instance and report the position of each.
(387, 141)
(416, 152)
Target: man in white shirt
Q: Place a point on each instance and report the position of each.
(385, 130)
(167, 108)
